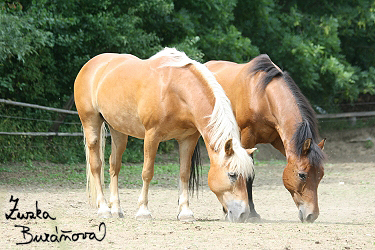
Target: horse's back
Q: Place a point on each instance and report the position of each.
(224, 66)
(86, 83)
(134, 95)
(95, 66)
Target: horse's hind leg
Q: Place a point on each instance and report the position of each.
(151, 143)
(186, 149)
(119, 142)
(92, 128)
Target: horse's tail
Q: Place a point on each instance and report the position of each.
(195, 170)
(90, 185)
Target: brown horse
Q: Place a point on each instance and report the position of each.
(270, 108)
(164, 97)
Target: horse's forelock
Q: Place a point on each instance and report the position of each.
(304, 132)
(240, 162)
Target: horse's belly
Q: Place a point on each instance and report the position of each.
(126, 122)
(179, 134)
(131, 126)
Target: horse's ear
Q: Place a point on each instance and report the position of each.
(250, 150)
(306, 146)
(229, 147)
(321, 144)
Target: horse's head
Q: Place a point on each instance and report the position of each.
(228, 171)
(301, 177)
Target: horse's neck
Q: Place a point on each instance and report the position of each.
(199, 103)
(284, 109)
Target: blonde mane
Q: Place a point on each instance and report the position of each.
(222, 125)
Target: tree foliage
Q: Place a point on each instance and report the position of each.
(328, 48)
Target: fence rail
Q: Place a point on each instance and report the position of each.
(319, 116)
(38, 107)
(346, 115)
(42, 133)
(65, 111)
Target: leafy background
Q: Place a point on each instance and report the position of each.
(328, 48)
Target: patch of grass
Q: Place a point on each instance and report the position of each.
(369, 144)
(74, 176)
(165, 175)
(5, 169)
(42, 175)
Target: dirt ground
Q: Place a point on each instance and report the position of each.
(346, 221)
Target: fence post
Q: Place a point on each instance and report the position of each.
(61, 117)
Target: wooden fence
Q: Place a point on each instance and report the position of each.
(43, 108)
(319, 116)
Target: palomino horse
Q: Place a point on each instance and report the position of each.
(270, 108)
(164, 97)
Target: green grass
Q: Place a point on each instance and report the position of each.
(46, 175)
(42, 175)
(49, 175)
(369, 144)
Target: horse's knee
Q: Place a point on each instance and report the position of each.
(115, 166)
(185, 174)
(185, 178)
(147, 174)
(92, 143)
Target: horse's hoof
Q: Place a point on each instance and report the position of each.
(186, 216)
(143, 214)
(117, 213)
(104, 212)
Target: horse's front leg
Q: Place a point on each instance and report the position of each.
(186, 150)
(151, 143)
(254, 216)
(119, 142)
(248, 141)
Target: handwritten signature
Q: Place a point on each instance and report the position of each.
(59, 236)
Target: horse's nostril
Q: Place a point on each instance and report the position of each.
(300, 215)
(310, 218)
(243, 217)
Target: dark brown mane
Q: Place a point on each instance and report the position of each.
(308, 128)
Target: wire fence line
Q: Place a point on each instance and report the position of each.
(21, 104)
(39, 120)
(38, 107)
(345, 115)
(337, 119)
(42, 133)
(319, 116)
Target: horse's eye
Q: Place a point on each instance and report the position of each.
(302, 176)
(232, 176)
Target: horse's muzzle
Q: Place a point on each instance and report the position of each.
(238, 211)
(307, 216)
